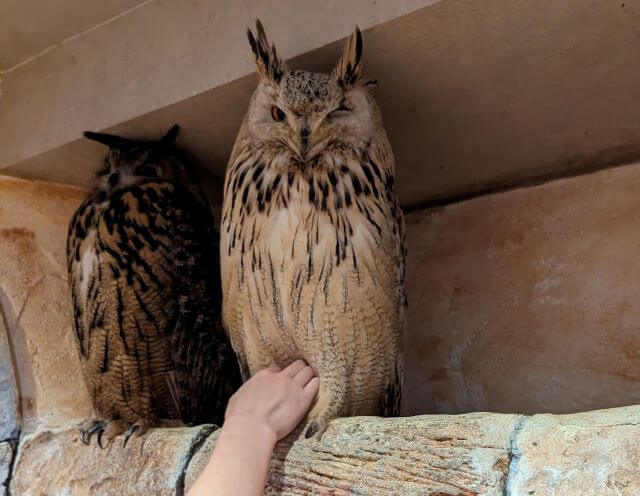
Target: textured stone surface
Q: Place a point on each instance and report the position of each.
(527, 301)
(58, 463)
(34, 299)
(480, 454)
(6, 454)
(9, 418)
(589, 454)
(444, 455)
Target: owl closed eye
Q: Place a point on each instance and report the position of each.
(302, 113)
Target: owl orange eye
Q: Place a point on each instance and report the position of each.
(277, 114)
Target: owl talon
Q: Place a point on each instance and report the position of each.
(100, 438)
(86, 433)
(84, 439)
(310, 431)
(127, 435)
(315, 429)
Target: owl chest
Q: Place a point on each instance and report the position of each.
(296, 261)
(290, 239)
(301, 289)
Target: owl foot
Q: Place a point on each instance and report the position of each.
(327, 407)
(137, 429)
(108, 430)
(129, 430)
(89, 428)
(315, 429)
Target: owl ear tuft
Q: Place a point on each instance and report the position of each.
(270, 66)
(110, 140)
(349, 69)
(170, 136)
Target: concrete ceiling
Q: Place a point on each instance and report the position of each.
(28, 27)
(477, 95)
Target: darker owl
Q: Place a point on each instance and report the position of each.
(144, 279)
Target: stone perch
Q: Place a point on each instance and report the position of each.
(588, 454)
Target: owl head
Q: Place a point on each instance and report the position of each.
(302, 114)
(133, 161)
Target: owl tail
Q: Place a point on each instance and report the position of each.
(173, 390)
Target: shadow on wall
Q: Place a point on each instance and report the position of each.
(527, 301)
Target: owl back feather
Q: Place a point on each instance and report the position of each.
(145, 290)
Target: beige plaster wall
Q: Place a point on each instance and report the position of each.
(527, 301)
(523, 301)
(29, 27)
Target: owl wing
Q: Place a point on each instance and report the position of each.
(147, 307)
(205, 368)
(81, 221)
(380, 158)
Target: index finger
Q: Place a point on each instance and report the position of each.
(311, 389)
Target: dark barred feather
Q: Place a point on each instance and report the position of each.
(147, 319)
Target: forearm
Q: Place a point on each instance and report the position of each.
(240, 460)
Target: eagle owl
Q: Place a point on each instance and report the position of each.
(312, 236)
(145, 287)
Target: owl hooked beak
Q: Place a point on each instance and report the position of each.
(303, 150)
(305, 141)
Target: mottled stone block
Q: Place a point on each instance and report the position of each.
(34, 218)
(9, 417)
(445, 455)
(6, 455)
(587, 454)
(58, 463)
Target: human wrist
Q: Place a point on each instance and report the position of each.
(251, 425)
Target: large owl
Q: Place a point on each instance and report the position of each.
(312, 240)
(145, 286)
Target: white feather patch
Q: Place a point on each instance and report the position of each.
(89, 259)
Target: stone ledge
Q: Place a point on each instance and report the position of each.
(57, 463)
(444, 455)
(477, 454)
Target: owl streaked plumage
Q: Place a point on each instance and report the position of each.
(312, 236)
(145, 286)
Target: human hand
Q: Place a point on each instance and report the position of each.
(277, 399)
